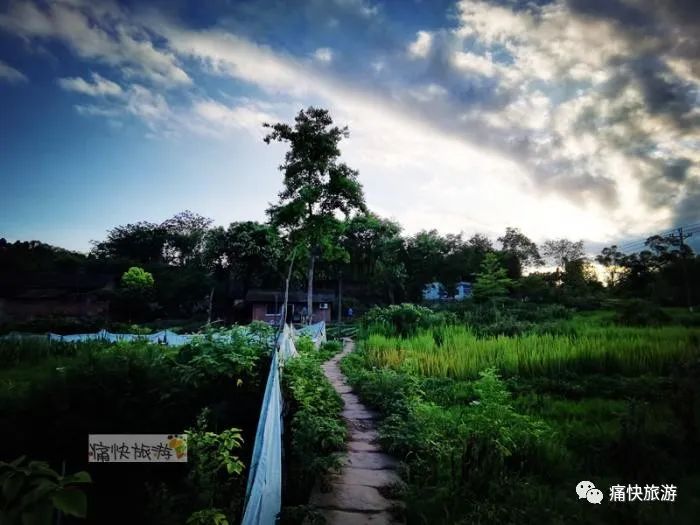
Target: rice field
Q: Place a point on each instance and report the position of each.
(456, 352)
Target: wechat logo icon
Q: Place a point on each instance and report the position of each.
(587, 490)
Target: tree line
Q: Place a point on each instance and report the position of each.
(322, 223)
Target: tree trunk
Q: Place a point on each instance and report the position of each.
(340, 297)
(211, 304)
(310, 291)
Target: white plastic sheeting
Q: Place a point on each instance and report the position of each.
(166, 337)
(286, 343)
(264, 490)
(317, 333)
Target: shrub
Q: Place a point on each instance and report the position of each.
(31, 492)
(637, 312)
(316, 432)
(304, 344)
(403, 320)
(330, 348)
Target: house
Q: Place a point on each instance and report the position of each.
(266, 305)
(463, 290)
(434, 292)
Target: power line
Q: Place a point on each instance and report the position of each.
(689, 229)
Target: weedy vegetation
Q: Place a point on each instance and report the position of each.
(495, 428)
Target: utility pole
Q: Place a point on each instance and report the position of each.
(681, 238)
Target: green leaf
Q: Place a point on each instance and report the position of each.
(17, 461)
(70, 501)
(12, 486)
(78, 477)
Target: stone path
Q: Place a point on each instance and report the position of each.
(356, 495)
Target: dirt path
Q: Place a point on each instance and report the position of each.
(356, 495)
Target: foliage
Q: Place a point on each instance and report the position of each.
(562, 251)
(586, 405)
(376, 253)
(637, 312)
(139, 387)
(213, 467)
(208, 517)
(523, 250)
(304, 344)
(246, 251)
(185, 237)
(492, 281)
(330, 348)
(402, 320)
(316, 187)
(456, 352)
(137, 281)
(32, 491)
(316, 433)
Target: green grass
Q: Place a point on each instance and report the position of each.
(455, 351)
(589, 400)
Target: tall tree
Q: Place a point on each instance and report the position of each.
(247, 251)
(426, 252)
(518, 247)
(613, 260)
(185, 237)
(317, 186)
(563, 251)
(376, 250)
(480, 243)
(141, 242)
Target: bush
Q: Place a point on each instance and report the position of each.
(330, 348)
(316, 432)
(637, 312)
(403, 320)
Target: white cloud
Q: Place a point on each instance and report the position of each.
(473, 63)
(94, 30)
(146, 105)
(10, 74)
(428, 92)
(402, 158)
(323, 55)
(421, 46)
(99, 86)
(211, 116)
(93, 110)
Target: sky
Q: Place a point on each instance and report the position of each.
(565, 118)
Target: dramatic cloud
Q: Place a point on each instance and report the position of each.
(10, 74)
(568, 117)
(99, 31)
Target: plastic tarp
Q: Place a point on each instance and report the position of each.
(264, 490)
(166, 337)
(286, 343)
(317, 333)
